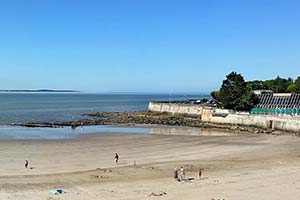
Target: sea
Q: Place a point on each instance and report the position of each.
(18, 108)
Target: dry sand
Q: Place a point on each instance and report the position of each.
(236, 167)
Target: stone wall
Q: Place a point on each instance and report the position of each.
(175, 108)
(220, 116)
(262, 121)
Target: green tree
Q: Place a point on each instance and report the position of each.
(232, 90)
(215, 94)
(256, 85)
(292, 88)
(247, 101)
(278, 85)
(297, 83)
(234, 93)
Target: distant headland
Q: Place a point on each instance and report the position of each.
(42, 90)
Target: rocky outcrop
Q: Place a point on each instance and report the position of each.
(153, 118)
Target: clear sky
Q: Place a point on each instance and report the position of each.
(145, 45)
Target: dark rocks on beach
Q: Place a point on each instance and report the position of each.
(148, 118)
(40, 125)
(133, 118)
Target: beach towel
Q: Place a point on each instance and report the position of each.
(59, 191)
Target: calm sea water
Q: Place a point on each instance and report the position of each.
(24, 133)
(54, 107)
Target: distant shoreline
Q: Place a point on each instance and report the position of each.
(38, 91)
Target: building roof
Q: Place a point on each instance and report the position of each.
(279, 100)
(258, 92)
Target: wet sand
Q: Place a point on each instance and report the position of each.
(235, 167)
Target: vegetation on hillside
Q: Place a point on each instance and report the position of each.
(236, 94)
(277, 85)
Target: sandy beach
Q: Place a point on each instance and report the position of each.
(236, 167)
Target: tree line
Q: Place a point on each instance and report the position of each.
(237, 94)
(277, 85)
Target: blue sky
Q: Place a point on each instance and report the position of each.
(145, 45)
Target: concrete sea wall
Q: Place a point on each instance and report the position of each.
(261, 121)
(221, 116)
(175, 108)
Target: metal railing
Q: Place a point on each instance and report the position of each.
(276, 111)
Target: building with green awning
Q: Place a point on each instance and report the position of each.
(278, 104)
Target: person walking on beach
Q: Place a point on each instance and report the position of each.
(26, 163)
(116, 158)
(182, 173)
(200, 173)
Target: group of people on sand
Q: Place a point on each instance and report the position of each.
(179, 175)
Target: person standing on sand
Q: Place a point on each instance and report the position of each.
(200, 173)
(26, 163)
(175, 174)
(116, 158)
(182, 173)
